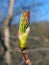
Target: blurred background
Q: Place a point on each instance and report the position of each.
(38, 40)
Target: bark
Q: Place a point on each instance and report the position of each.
(7, 23)
(7, 32)
(27, 60)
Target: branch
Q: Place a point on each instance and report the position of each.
(7, 21)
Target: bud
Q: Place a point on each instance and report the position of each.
(24, 21)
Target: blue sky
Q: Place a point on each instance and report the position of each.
(39, 10)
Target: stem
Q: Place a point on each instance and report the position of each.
(27, 60)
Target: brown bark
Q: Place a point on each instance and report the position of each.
(27, 60)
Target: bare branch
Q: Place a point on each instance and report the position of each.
(7, 33)
(7, 21)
